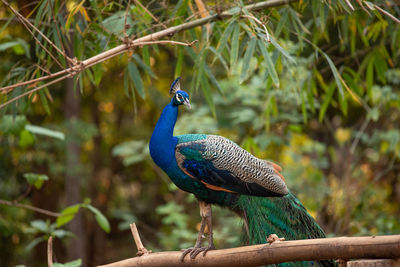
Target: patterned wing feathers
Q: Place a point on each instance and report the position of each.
(220, 163)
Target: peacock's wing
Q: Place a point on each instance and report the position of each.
(222, 165)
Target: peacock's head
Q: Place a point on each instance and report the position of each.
(180, 97)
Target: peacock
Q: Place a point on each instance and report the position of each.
(218, 171)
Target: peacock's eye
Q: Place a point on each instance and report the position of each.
(180, 97)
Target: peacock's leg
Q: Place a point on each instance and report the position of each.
(206, 218)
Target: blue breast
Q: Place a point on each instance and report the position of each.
(162, 150)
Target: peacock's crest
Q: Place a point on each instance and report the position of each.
(175, 86)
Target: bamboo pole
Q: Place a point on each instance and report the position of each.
(375, 247)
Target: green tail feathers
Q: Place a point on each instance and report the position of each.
(284, 216)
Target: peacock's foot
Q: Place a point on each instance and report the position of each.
(193, 252)
(274, 238)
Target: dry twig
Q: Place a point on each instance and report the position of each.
(29, 207)
(50, 251)
(141, 249)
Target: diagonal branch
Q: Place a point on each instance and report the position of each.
(29, 207)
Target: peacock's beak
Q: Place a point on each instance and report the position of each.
(187, 103)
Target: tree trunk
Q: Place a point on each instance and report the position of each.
(73, 174)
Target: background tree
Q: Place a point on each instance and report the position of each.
(311, 85)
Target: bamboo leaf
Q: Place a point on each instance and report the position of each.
(225, 36)
(205, 87)
(235, 45)
(370, 77)
(267, 59)
(246, 60)
(143, 65)
(126, 83)
(146, 55)
(44, 131)
(327, 100)
(219, 56)
(44, 101)
(279, 48)
(213, 79)
(335, 74)
(179, 62)
(134, 75)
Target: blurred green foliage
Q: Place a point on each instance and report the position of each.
(315, 89)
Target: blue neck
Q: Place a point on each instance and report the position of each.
(162, 142)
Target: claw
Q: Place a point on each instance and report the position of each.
(185, 252)
(274, 238)
(196, 251)
(212, 247)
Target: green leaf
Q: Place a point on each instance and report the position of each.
(36, 179)
(247, 57)
(12, 125)
(235, 45)
(370, 77)
(33, 243)
(44, 101)
(225, 36)
(327, 100)
(75, 263)
(280, 49)
(146, 55)
(143, 65)
(335, 72)
(126, 83)
(219, 56)
(100, 218)
(40, 225)
(213, 79)
(44, 131)
(60, 233)
(267, 59)
(116, 23)
(25, 139)
(68, 214)
(20, 47)
(179, 62)
(134, 74)
(205, 87)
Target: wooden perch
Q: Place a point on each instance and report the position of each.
(375, 247)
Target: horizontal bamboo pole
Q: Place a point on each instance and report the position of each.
(375, 247)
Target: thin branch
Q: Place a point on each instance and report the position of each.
(140, 41)
(372, 247)
(139, 245)
(50, 252)
(29, 207)
(386, 13)
(259, 22)
(167, 42)
(35, 89)
(126, 17)
(151, 15)
(58, 33)
(27, 22)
